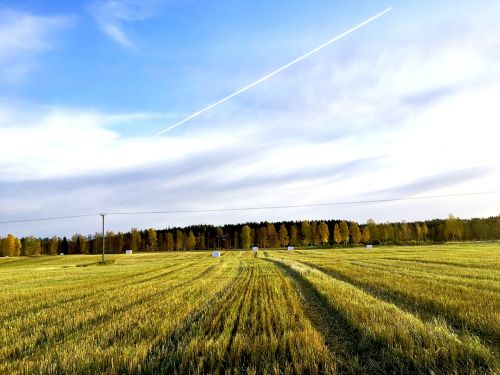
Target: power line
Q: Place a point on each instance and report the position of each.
(47, 218)
(358, 202)
(273, 73)
(304, 205)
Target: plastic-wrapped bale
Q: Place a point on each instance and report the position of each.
(255, 248)
(61, 254)
(215, 254)
(128, 252)
(290, 247)
(369, 246)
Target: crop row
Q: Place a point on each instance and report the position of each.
(404, 342)
(280, 312)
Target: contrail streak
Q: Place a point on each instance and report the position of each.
(273, 73)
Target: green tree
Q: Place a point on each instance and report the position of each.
(219, 232)
(272, 235)
(425, 231)
(365, 235)
(245, 237)
(3, 247)
(152, 243)
(25, 246)
(405, 233)
(84, 245)
(236, 240)
(283, 236)
(135, 239)
(169, 240)
(315, 234)
(391, 235)
(324, 233)
(355, 233)
(17, 247)
(336, 234)
(31, 246)
(452, 228)
(344, 232)
(119, 242)
(373, 230)
(383, 233)
(418, 232)
(201, 244)
(110, 242)
(190, 241)
(294, 235)
(306, 233)
(180, 240)
(53, 245)
(97, 248)
(262, 240)
(253, 236)
(74, 244)
(12, 246)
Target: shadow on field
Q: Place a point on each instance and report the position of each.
(425, 310)
(106, 262)
(355, 352)
(232, 333)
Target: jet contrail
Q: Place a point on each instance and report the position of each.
(273, 73)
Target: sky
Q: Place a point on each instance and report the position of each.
(407, 106)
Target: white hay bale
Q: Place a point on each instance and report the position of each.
(290, 247)
(215, 254)
(369, 246)
(61, 254)
(128, 252)
(255, 248)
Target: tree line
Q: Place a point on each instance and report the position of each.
(264, 235)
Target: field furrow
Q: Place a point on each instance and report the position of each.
(430, 300)
(409, 343)
(353, 311)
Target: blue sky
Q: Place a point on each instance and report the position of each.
(404, 107)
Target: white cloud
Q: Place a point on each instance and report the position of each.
(61, 142)
(113, 16)
(410, 118)
(117, 34)
(66, 161)
(23, 36)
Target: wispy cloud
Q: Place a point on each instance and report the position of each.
(434, 182)
(113, 16)
(23, 37)
(416, 115)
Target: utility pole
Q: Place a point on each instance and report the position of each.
(103, 236)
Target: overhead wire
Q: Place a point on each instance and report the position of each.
(229, 209)
(46, 218)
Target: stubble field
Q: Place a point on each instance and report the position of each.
(433, 309)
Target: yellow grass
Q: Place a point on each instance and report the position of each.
(423, 309)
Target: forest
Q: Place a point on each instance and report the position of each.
(264, 235)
